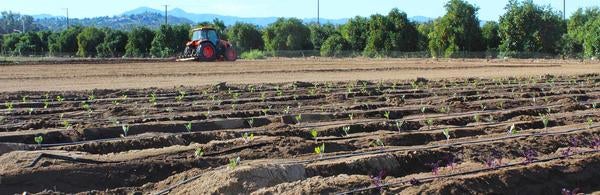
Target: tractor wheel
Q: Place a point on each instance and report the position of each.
(207, 51)
(230, 54)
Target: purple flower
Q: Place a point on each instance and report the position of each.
(378, 179)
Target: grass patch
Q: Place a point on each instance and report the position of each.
(253, 55)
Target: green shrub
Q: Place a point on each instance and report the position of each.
(253, 55)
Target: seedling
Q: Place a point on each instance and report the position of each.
(152, 98)
(251, 122)
(46, 104)
(188, 127)
(590, 122)
(181, 96)
(199, 153)
(38, 140)
(125, 130)
(234, 162)
(423, 109)
(233, 106)
(483, 107)
(298, 118)
(2, 119)
(24, 99)
(351, 116)
(60, 99)
(429, 122)
(512, 130)
(91, 97)
(477, 118)
(263, 96)
(314, 133)
(346, 129)
(545, 120)
(29, 111)
(399, 124)
(446, 132)
(247, 137)
(377, 143)
(9, 106)
(386, 114)
(66, 124)
(251, 88)
(377, 180)
(320, 150)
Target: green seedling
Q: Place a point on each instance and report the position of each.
(315, 134)
(298, 118)
(2, 119)
(320, 150)
(263, 96)
(590, 122)
(286, 110)
(9, 106)
(38, 140)
(351, 116)
(188, 127)
(60, 99)
(247, 137)
(312, 91)
(251, 122)
(235, 96)
(446, 132)
(399, 124)
(125, 130)
(429, 122)
(483, 107)
(152, 98)
(386, 114)
(181, 96)
(595, 105)
(29, 111)
(24, 99)
(545, 120)
(46, 103)
(346, 129)
(233, 106)
(477, 118)
(377, 143)
(91, 97)
(234, 162)
(66, 124)
(512, 130)
(251, 88)
(199, 153)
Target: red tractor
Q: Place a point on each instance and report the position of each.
(207, 46)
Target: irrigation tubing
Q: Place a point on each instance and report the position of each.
(427, 179)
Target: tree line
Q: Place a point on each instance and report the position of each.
(524, 29)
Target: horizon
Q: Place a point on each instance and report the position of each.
(329, 9)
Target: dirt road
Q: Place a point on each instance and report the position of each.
(169, 74)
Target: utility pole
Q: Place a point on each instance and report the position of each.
(67, 10)
(318, 12)
(166, 14)
(564, 10)
(23, 21)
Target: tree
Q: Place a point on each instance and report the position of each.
(181, 37)
(489, 32)
(163, 44)
(29, 43)
(12, 22)
(287, 34)
(10, 42)
(139, 42)
(356, 32)
(404, 37)
(526, 27)
(44, 36)
(457, 30)
(580, 29)
(423, 40)
(334, 46)
(113, 44)
(88, 40)
(245, 37)
(380, 33)
(591, 43)
(66, 42)
(320, 33)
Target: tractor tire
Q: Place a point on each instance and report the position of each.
(230, 54)
(207, 51)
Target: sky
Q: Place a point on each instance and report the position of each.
(331, 9)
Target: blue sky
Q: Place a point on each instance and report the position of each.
(489, 9)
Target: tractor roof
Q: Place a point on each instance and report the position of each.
(203, 28)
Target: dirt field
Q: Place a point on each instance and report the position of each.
(376, 127)
(46, 77)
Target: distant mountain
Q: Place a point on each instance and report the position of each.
(153, 18)
(124, 22)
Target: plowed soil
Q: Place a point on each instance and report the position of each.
(472, 127)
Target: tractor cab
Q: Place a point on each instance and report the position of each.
(206, 45)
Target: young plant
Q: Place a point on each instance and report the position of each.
(346, 129)
(250, 122)
(9, 106)
(315, 134)
(38, 140)
(429, 122)
(477, 118)
(29, 111)
(298, 118)
(60, 99)
(125, 129)
(590, 122)
(66, 124)
(233, 163)
(181, 96)
(247, 137)
(351, 116)
(399, 124)
(512, 130)
(46, 103)
(320, 150)
(377, 143)
(423, 109)
(152, 98)
(446, 132)
(386, 114)
(545, 120)
(263, 96)
(199, 153)
(188, 127)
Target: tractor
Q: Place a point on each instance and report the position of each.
(207, 46)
